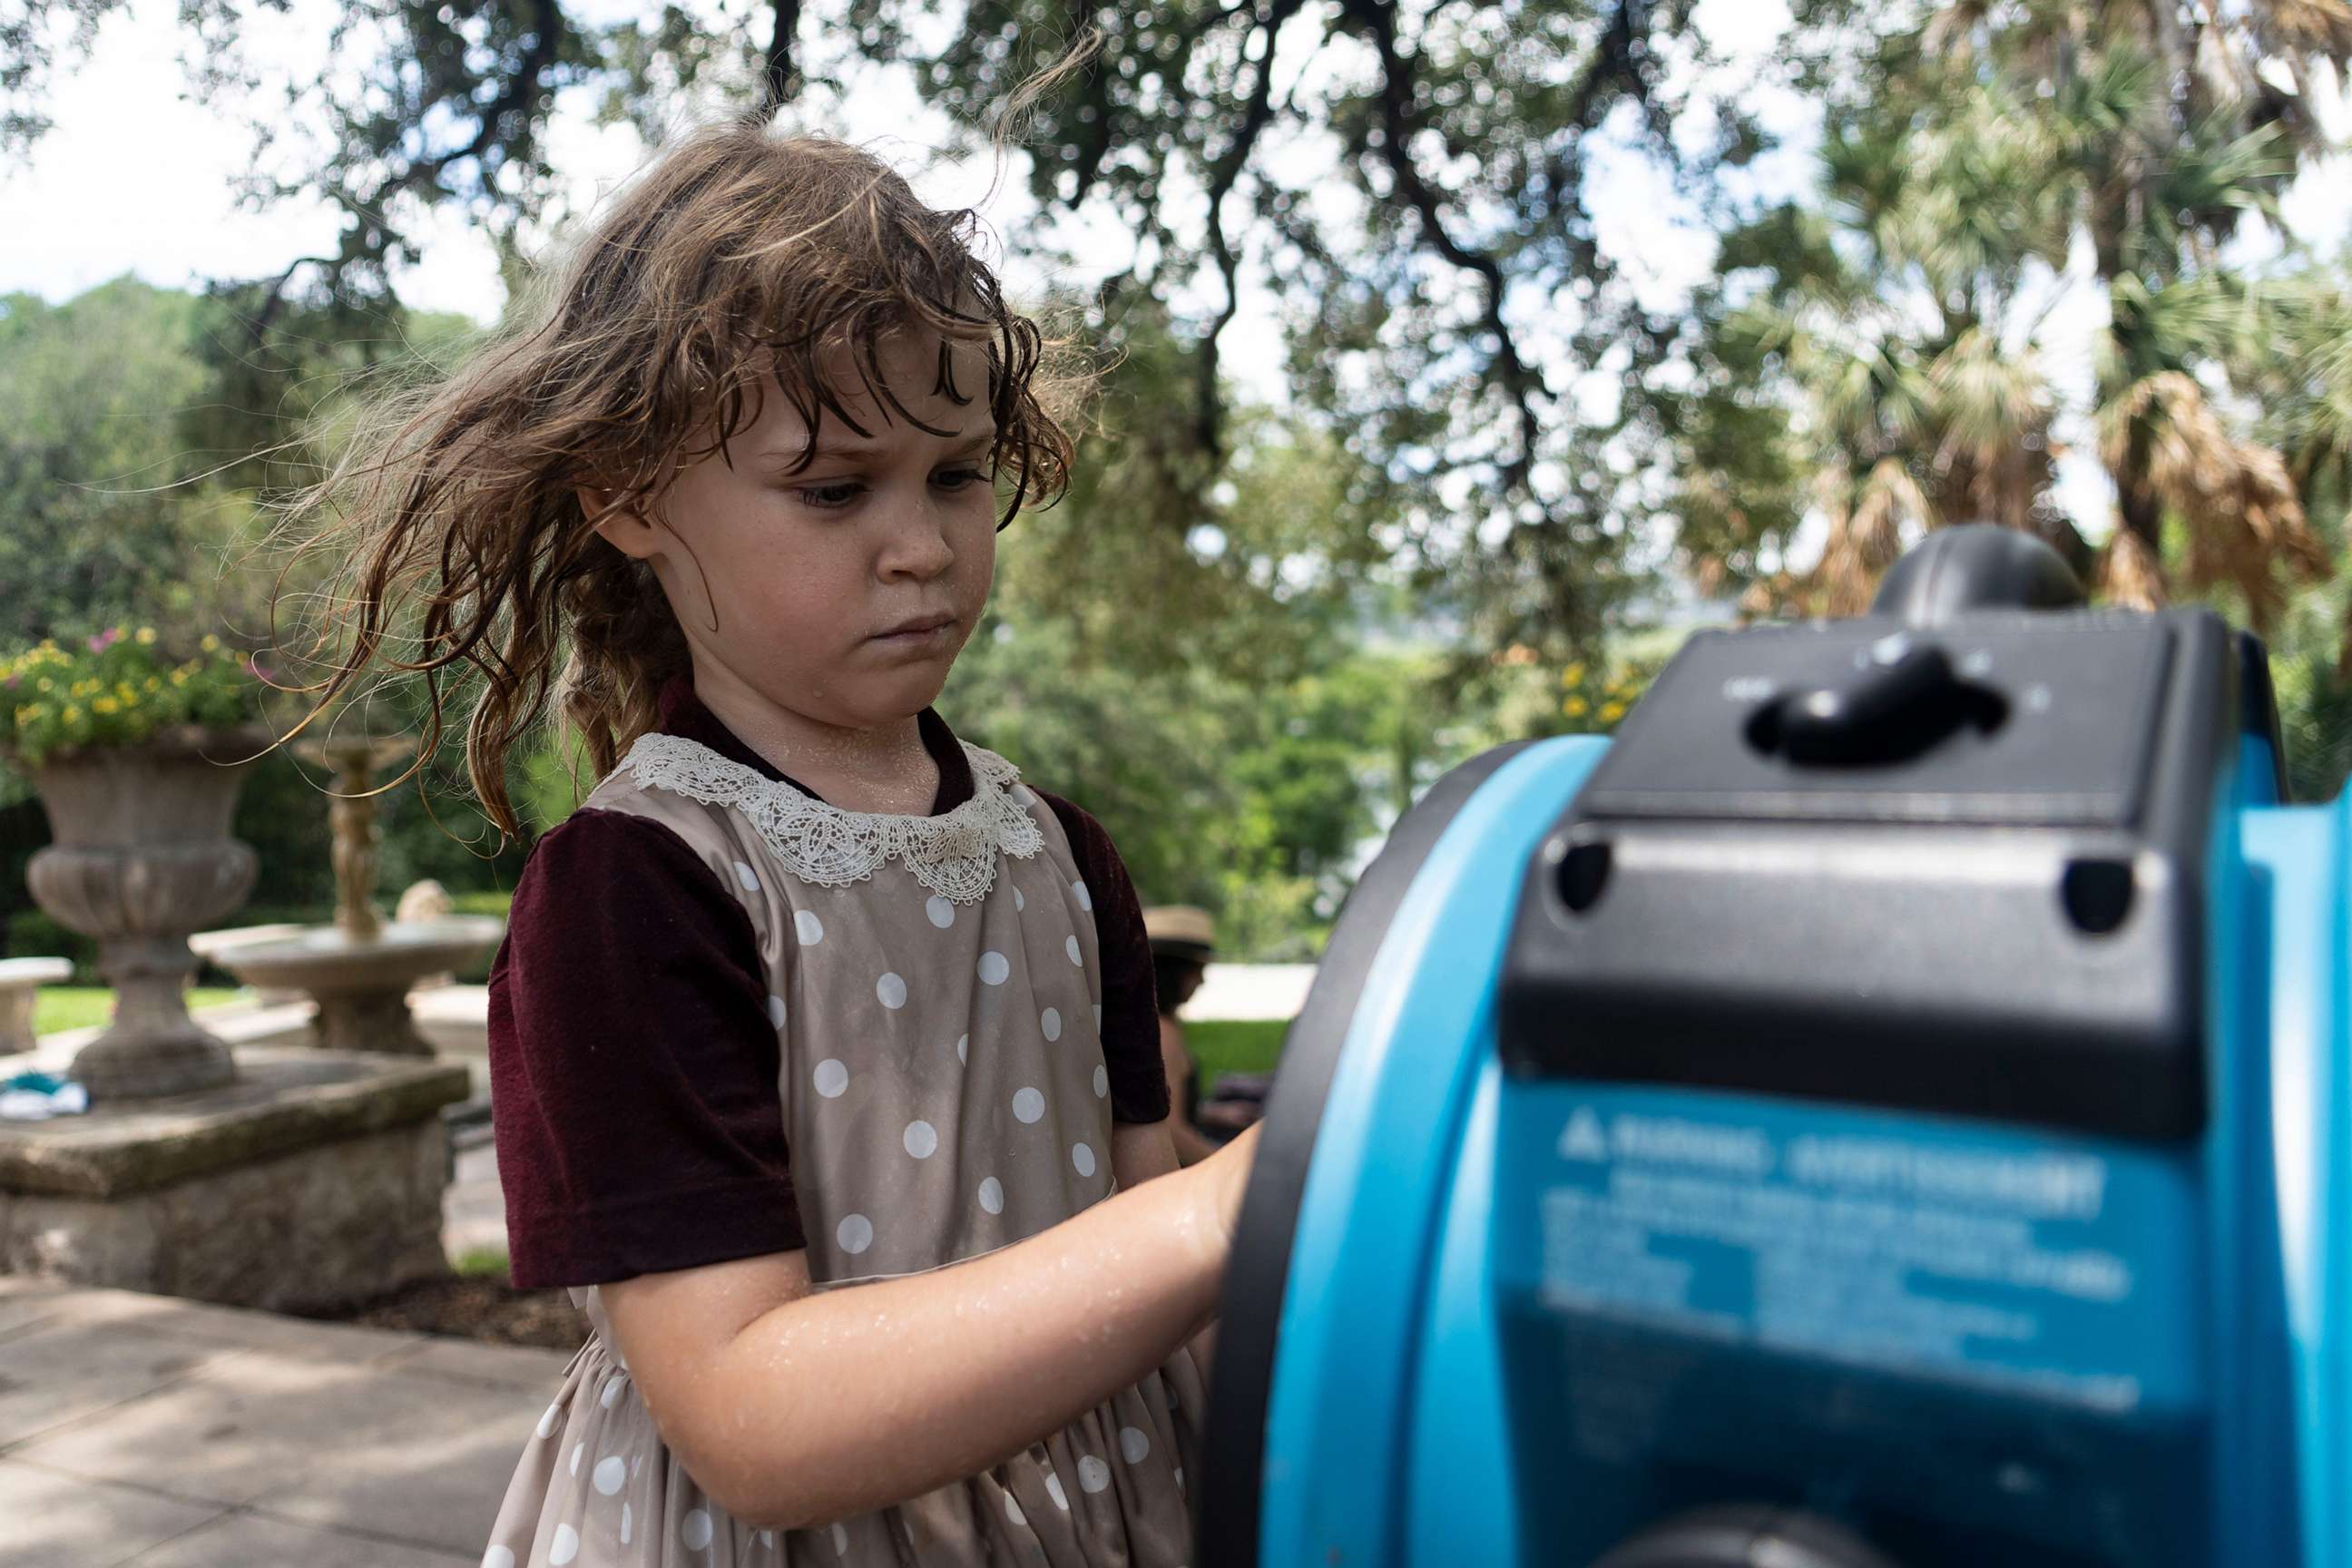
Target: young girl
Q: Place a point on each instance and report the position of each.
(823, 1050)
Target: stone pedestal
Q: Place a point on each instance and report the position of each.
(141, 856)
(313, 1179)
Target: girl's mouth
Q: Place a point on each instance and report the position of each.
(918, 632)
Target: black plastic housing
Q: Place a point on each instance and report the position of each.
(2000, 913)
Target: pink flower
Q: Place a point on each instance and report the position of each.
(98, 645)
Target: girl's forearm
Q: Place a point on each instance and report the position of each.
(845, 1400)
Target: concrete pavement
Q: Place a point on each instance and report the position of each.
(167, 1434)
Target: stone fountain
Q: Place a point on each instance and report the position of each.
(310, 1178)
(360, 969)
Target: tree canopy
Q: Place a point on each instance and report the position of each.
(1946, 255)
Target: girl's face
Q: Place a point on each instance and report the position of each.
(840, 590)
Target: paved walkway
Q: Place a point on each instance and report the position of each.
(167, 1434)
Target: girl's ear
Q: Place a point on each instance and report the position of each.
(625, 528)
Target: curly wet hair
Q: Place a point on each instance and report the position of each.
(738, 264)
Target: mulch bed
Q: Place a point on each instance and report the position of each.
(472, 1307)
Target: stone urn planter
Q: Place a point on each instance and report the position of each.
(141, 857)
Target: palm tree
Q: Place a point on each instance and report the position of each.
(1903, 314)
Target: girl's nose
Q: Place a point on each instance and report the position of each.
(918, 546)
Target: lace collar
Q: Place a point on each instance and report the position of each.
(953, 855)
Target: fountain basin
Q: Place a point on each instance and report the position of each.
(362, 983)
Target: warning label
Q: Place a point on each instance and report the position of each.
(1966, 1258)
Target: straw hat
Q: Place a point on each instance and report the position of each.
(1180, 930)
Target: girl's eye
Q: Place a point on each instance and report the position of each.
(959, 479)
(829, 495)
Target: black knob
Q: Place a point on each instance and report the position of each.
(1745, 1536)
(1979, 567)
(1903, 699)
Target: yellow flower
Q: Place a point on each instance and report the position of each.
(1574, 707)
(211, 643)
(155, 683)
(179, 678)
(1612, 712)
(72, 715)
(46, 684)
(147, 637)
(1573, 675)
(104, 705)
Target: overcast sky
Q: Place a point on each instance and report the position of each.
(136, 179)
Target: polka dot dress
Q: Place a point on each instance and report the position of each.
(944, 1095)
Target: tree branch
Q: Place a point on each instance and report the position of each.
(547, 28)
(778, 77)
(1210, 408)
(1378, 18)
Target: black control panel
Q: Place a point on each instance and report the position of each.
(1948, 857)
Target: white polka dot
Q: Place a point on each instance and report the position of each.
(942, 912)
(992, 968)
(892, 990)
(1102, 1083)
(1050, 1020)
(624, 1524)
(577, 1450)
(1082, 1155)
(807, 927)
(1013, 1511)
(922, 1139)
(610, 1472)
(1094, 1476)
(856, 1234)
(1028, 1104)
(612, 1387)
(964, 1046)
(565, 1547)
(1054, 1489)
(1180, 1478)
(1019, 903)
(1071, 947)
(840, 1541)
(1134, 1445)
(776, 1011)
(1086, 899)
(695, 1528)
(547, 1422)
(745, 875)
(498, 1557)
(992, 1194)
(832, 1077)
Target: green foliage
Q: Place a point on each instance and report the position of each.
(1225, 1044)
(103, 526)
(59, 1007)
(117, 689)
(480, 1263)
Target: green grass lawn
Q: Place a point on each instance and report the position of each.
(1223, 1046)
(80, 1006)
